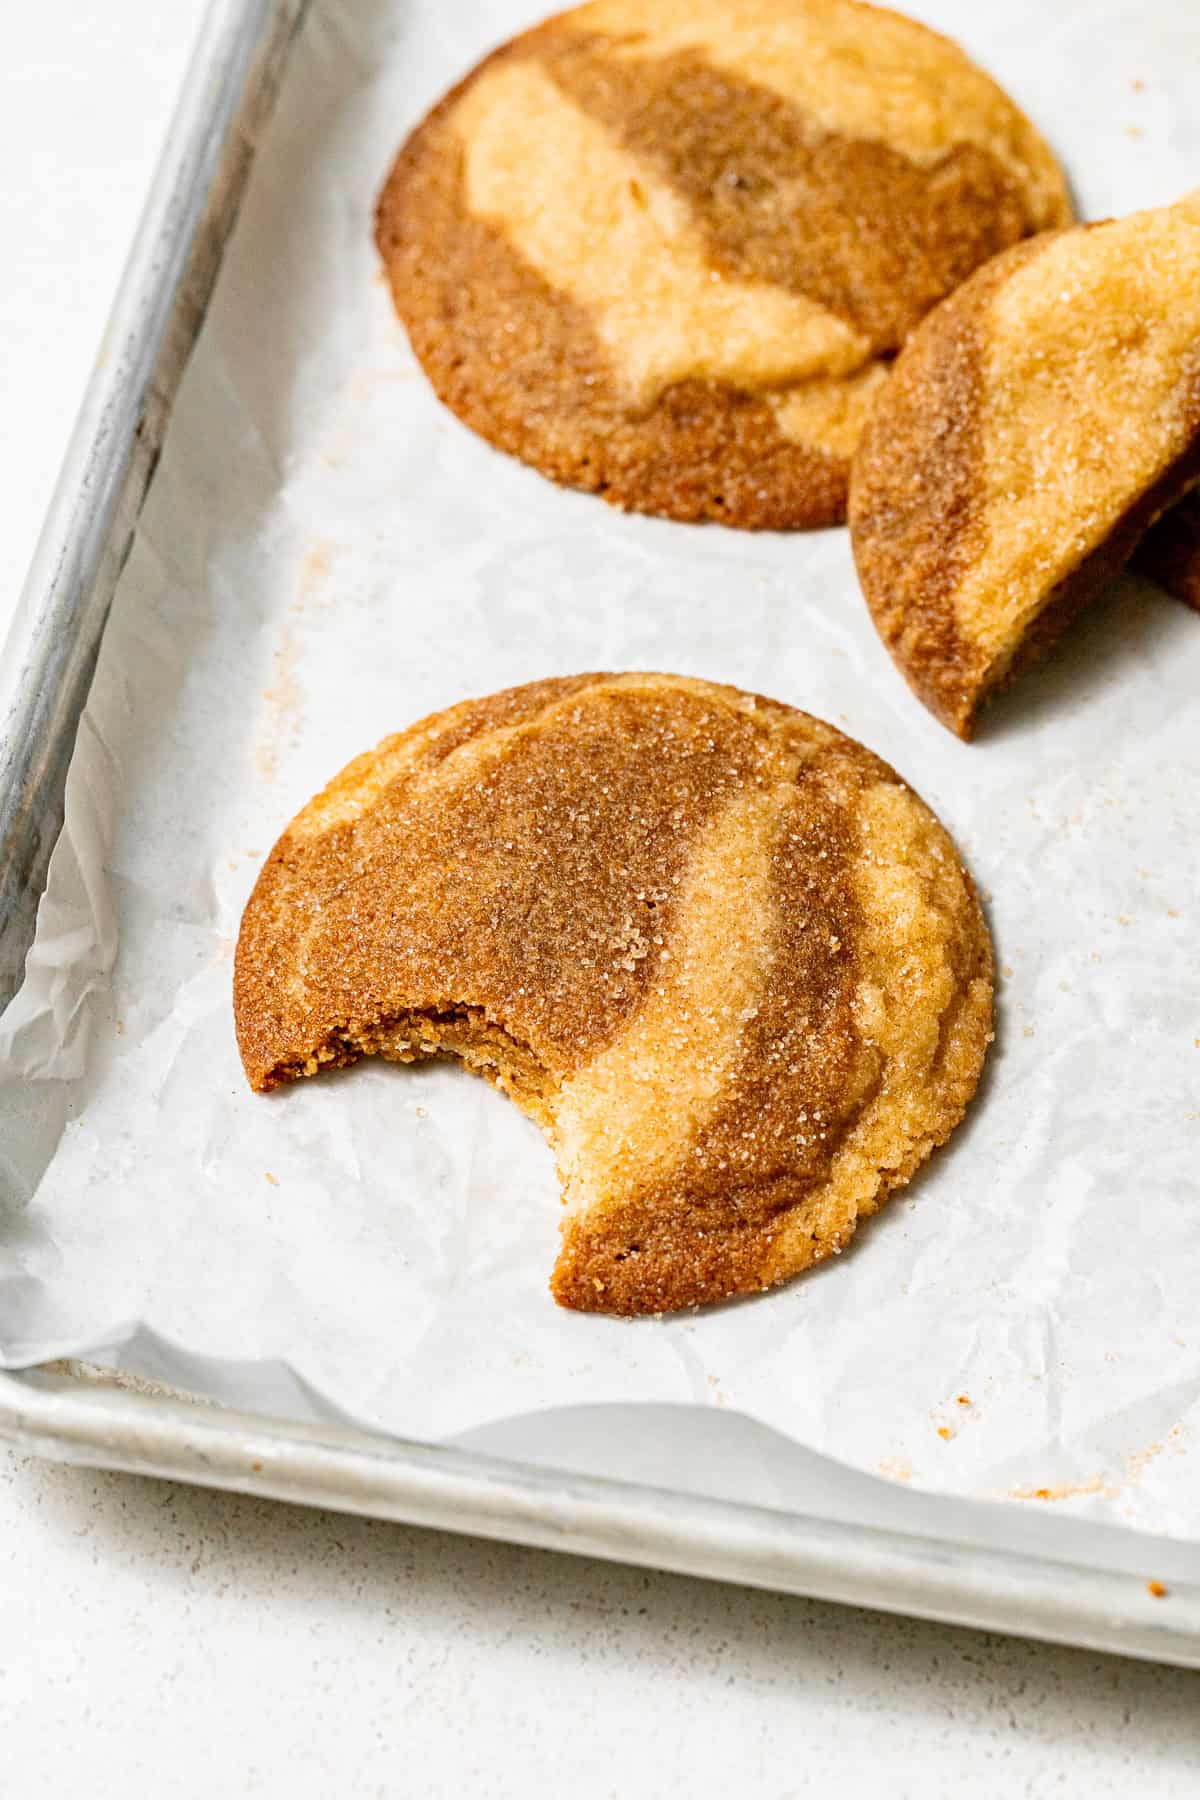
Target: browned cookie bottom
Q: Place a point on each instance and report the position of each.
(1170, 552)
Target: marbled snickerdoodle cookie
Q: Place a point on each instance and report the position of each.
(722, 954)
(1034, 427)
(663, 249)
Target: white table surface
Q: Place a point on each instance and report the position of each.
(166, 1641)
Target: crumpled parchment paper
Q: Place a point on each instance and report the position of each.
(325, 555)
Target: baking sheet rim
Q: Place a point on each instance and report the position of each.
(66, 1418)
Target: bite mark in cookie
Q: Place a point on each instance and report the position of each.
(721, 953)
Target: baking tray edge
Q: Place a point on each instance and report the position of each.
(45, 673)
(106, 1426)
(50, 652)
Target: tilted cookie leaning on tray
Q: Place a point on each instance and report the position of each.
(1035, 429)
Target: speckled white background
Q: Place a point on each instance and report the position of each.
(154, 1639)
(170, 1642)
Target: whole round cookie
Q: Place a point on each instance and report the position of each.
(1035, 426)
(722, 954)
(663, 249)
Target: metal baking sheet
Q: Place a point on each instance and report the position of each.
(864, 1542)
(50, 653)
(857, 1538)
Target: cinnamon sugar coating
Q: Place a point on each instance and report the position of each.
(1034, 428)
(665, 251)
(722, 954)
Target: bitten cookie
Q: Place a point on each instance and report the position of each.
(1034, 427)
(663, 249)
(722, 954)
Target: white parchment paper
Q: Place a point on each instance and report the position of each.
(326, 555)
